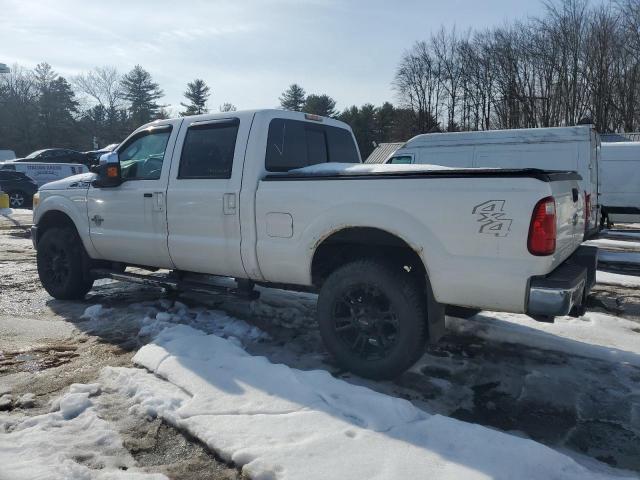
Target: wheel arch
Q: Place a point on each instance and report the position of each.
(351, 243)
(57, 210)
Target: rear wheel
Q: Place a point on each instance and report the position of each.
(18, 199)
(372, 318)
(63, 264)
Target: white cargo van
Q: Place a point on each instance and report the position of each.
(45, 172)
(620, 181)
(558, 148)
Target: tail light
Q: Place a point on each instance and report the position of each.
(542, 231)
(587, 210)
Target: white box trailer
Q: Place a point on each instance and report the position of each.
(620, 181)
(556, 148)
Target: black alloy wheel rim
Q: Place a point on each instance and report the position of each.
(56, 265)
(365, 322)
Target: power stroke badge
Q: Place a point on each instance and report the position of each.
(492, 218)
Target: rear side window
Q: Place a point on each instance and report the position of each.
(296, 144)
(208, 150)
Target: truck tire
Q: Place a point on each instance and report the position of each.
(63, 264)
(372, 319)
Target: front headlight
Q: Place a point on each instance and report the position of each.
(36, 200)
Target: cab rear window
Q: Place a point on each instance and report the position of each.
(296, 144)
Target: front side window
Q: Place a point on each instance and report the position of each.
(141, 158)
(208, 150)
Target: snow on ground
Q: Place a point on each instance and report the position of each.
(609, 278)
(71, 442)
(594, 335)
(15, 211)
(151, 321)
(279, 422)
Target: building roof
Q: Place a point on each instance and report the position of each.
(382, 152)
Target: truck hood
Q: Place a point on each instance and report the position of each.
(82, 180)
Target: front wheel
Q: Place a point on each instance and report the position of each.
(18, 199)
(372, 318)
(63, 264)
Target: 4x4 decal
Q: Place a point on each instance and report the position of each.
(492, 217)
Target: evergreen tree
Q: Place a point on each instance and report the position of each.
(293, 98)
(57, 107)
(197, 93)
(141, 92)
(322, 105)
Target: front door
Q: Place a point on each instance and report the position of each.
(204, 207)
(128, 223)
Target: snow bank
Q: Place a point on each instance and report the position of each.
(364, 168)
(282, 423)
(71, 443)
(594, 335)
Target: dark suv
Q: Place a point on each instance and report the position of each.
(19, 187)
(55, 155)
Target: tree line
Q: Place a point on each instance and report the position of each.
(575, 63)
(41, 109)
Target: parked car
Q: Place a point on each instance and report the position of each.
(54, 155)
(620, 182)
(557, 148)
(7, 155)
(93, 156)
(43, 173)
(254, 195)
(19, 187)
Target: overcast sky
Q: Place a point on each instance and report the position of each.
(248, 51)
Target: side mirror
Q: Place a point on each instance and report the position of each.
(108, 171)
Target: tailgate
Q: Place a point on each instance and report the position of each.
(570, 221)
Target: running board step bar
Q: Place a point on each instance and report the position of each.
(173, 284)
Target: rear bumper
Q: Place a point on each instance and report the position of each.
(564, 291)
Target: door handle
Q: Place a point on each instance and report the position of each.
(148, 195)
(229, 204)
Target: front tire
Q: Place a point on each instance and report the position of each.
(372, 318)
(63, 264)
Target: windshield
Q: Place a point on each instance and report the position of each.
(34, 154)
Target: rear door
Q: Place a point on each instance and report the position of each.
(128, 223)
(203, 212)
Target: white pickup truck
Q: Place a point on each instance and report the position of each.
(256, 196)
